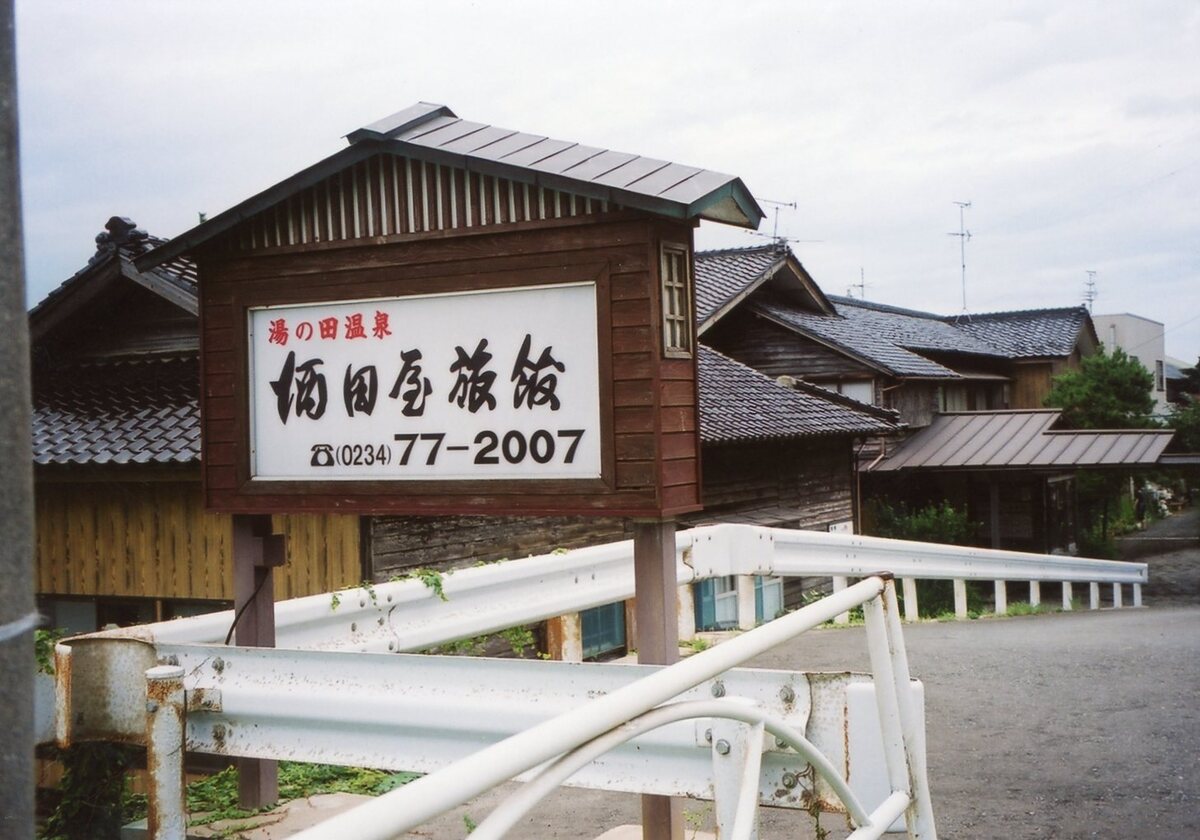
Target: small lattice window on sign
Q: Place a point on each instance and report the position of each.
(676, 302)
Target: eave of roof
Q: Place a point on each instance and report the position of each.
(431, 132)
(779, 258)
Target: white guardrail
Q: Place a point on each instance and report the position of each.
(702, 728)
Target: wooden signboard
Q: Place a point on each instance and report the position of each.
(451, 318)
(450, 377)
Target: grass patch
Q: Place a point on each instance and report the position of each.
(1026, 608)
(215, 798)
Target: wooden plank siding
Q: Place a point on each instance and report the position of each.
(654, 402)
(389, 195)
(776, 351)
(154, 540)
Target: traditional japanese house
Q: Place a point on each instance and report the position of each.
(122, 536)
(760, 306)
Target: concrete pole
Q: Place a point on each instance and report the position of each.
(17, 615)
(655, 586)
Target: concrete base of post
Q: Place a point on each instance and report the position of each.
(960, 599)
(912, 611)
(840, 583)
(564, 638)
(746, 613)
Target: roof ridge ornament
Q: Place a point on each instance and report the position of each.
(118, 231)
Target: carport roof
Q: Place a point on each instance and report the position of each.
(1021, 440)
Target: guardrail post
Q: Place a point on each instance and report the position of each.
(1117, 599)
(960, 598)
(685, 605)
(840, 583)
(1035, 593)
(1066, 595)
(1095, 595)
(921, 822)
(1137, 594)
(746, 617)
(564, 637)
(912, 610)
(737, 763)
(166, 817)
(1001, 597)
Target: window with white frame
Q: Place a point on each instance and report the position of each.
(676, 302)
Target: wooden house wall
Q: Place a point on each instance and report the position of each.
(1031, 383)
(135, 322)
(388, 195)
(805, 484)
(154, 540)
(655, 399)
(776, 351)
(915, 400)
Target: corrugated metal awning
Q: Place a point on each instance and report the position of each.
(1021, 440)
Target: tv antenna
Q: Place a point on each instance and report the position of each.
(861, 285)
(774, 235)
(1089, 289)
(964, 236)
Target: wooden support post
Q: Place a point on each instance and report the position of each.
(840, 583)
(912, 610)
(1066, 595)
(564, 638)
(655, 585)
(256, 552)
(994, 512)
(1001, 597)
(960, 599)
(1035, 593)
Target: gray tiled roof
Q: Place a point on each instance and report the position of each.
(1029, 333)
(125, 412)
(911, 329)
(723, 275)
(737, 403)
(857, 337)
(123, 240)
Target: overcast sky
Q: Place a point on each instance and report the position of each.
(1072, 127)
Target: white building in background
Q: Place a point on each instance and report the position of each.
(1143, 339)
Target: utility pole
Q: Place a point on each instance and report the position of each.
(18, 618)
(963, 236)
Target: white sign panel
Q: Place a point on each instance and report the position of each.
(465, 386)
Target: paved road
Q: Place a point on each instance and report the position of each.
(1071, 725)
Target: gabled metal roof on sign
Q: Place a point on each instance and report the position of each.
(431, 132)
(1021, 440)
